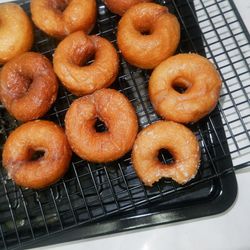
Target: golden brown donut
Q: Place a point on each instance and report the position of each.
(59, 18)
(16, 32)
(148, 34)
(180, 143)
(74, 51)
(193, 73)
(115, 111)
(120, 7)
(25, 142)
(28, 86)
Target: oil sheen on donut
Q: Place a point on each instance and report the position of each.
(115, 111)
(16, 32)
(21, 154)
(121, 6)
(148, 34)
(178, 140)
(59, 18)
(199, 80)
(28, 86)
(71, 56)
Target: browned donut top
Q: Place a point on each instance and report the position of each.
(121, 6)
(16, 31)
(59, 18)
(175, 138)
(193, 73)
(28, 86)
(72, 54)
(117, 114)
(31, 137)
(148, 34)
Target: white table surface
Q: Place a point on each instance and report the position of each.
(229, 230)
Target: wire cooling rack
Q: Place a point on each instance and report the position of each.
(226, 42)
(92, 191)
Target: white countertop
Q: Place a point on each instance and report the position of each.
(229, 230)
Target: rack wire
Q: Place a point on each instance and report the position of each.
(92, 191)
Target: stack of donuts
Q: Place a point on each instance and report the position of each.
(38, 153)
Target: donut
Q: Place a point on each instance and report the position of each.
(59, 18)
(16, 32)
(194, 75)
(36, 154)
(120, 7)
(74, 51)
(147, 35)
(180, 142)
(119, 117)
(28, 86)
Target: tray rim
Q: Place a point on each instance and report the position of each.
(99, 228)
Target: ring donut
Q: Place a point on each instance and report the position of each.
(16, 31)
(59, 18)
(147, 35)
(193, 73)
(178, 140)
(120, 7)
(21, 147)
(28, 86)
(74, 51)
(115, 111)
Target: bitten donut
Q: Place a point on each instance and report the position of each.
(59, 18)
(199, 80)
(180, 143)
(28, 86)
(36, 154)
(16, 32)
(119, 117)
(74, 51)
(120, 7)
(148, 34)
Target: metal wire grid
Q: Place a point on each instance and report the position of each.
(227, 45)
(91, 191)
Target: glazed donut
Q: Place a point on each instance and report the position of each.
(16, 32)
(74, 51)
(148, 34)
(28, 86)
(36, 154)
(59, 18)
(200, 81)
(120, 7)
(115, 111)
(181, 144)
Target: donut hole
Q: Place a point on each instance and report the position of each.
(85, 60)
(35, 155)
(144, 28)
(146, 32)
(27, 82)
(21, 89)
(100, 126)
(165, 157)
(181, 85)
(90, 59)
(59, 5)
(179, 88)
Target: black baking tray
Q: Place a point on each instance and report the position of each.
(97, 199)
(193, 204)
